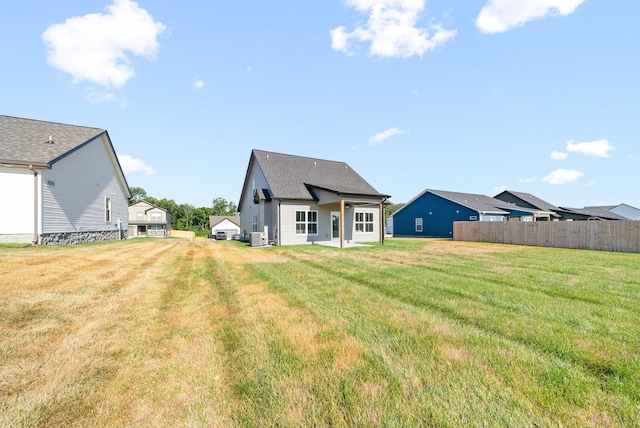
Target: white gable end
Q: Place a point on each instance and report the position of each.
(16, 201)
(75, 192)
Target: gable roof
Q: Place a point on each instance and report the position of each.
(627, 211)
(294, 177)
(480, 203)
(596, 213)
(26, 141)
(39, 143)
(215, 220)
(149, 206)
(529, 199)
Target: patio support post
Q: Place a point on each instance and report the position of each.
(341, 223)
(381, 223)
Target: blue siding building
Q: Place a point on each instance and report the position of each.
(431, 214)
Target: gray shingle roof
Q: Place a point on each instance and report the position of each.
(529, 199)
(217, 219)
(25, 141)
(480, 203)
(596, 212)
(291, 177)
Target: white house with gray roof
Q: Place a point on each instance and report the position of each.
(301, 200)
(59, 184)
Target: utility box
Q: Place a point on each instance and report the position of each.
(255, 239)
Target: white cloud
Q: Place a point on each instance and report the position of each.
(528, 180)
(378, 138)
(198, 84)
(558, 155)
(562, 176)
(130, 164)
(100, 97)
(94, 47)
(390, 30)
(600, 148)
(498, 16)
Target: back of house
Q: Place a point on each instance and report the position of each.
(301, 200)
(59, 184)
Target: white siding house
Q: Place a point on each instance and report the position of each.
(224, 223)
(300, 200)
(147, 219)
(59, 184)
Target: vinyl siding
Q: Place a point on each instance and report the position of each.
(288, 223)
(16, 201)
(146, 212)
(438, 215)
(627, 211)
(75, 188)
(373, 236)
(248, 207)
(226, 225)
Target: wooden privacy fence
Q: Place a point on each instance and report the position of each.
(622, 236)
(183, 234)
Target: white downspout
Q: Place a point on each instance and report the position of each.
(35, 204)
(278, 232)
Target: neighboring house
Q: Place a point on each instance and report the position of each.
(301, 200)
(542, 210)
(627, 211)
(59, 184)
(225, 223)
(433, 212)
(611, 212)
(147, 219)
(590, 213)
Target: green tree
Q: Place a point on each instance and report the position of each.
(137, 194)
(222, 207)
(186, 211)
(390, 209)
(201, 218)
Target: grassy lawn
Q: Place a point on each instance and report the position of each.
(412, 333)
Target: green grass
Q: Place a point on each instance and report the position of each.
(520, 336)
(411, 333)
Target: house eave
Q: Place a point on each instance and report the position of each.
(23, 164)
(346, 194)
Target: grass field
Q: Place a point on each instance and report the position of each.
(412, 333)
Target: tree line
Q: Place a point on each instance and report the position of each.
(187, 216)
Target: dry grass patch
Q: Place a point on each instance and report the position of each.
(94, 345)
(416, 332)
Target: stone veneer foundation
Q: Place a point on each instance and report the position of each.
(72, 238)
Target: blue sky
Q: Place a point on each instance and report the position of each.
(539, 96)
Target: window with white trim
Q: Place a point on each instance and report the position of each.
(139, 215)
(418, 224)
(368, 222)
(364, 222)
(359, 222)
(301, 222)
(306, 222)
(107, 210)
(312, 222)
(156, 216)
(254, 223)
